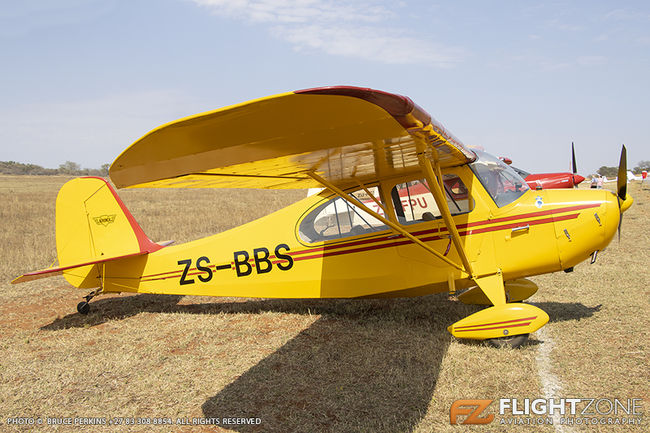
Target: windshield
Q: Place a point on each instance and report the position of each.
(502, 183)
(522, 173)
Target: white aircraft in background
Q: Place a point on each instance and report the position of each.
(630, 176)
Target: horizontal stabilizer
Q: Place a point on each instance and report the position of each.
(51, 272)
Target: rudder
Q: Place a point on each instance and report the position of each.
(92, 224)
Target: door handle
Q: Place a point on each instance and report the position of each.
(521, 229)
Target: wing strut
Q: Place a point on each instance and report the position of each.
(435, 180)
(389, 223)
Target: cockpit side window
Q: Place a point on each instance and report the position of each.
(414, 202)
(500, 181)
(337, 218)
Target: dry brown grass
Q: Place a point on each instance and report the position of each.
(312, 365)
(27, 219)
(600, 316)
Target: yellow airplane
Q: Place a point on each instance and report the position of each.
(406, 210)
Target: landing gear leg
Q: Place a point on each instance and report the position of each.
(83, 307)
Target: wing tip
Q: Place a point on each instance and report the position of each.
(396, 105)
(36, 275)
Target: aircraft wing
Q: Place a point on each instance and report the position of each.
(343, 134)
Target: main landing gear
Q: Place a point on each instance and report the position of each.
(512, 341)
(83, 307)
(503, 324)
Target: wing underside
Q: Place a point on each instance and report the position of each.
(344, 134)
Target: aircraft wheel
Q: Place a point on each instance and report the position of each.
(83, 307)
(512, 341)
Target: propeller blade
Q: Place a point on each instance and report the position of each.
(620, 223)
(621, 182)
(573, 157)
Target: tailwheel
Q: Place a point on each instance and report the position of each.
(512, 341)
(83, 307)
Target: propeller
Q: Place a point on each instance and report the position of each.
(573, 159)
(621, 186)
(574, 167)
(621, 182)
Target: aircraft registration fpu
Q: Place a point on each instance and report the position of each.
(406, 210)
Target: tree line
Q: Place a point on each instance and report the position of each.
(74, 169)
(67, 168)
(613, 171)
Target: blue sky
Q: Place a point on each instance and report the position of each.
(82, 79)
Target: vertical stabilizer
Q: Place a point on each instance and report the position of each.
(93, 225)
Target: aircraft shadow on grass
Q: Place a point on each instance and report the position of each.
(104, 310)
(364, 365)
(359, 371)
(565, 311)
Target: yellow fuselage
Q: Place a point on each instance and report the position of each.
(540, 232)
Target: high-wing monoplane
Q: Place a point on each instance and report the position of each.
(406, 210)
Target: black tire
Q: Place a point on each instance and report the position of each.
(83, 307)
(513, 341)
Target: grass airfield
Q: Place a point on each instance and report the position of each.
(297, 365)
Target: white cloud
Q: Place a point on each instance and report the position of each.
(623, 14)
(339, 27)
(297, 11)
(367, 43)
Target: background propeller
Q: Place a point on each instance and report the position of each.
(573, 159)
(574, 167)
(621, 186)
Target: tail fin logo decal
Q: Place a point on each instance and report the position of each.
(104, 220)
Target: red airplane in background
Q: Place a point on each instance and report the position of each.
(550, 180)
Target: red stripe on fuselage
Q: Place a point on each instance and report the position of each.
(328, 250)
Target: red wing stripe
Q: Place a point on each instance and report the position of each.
(496, 323)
